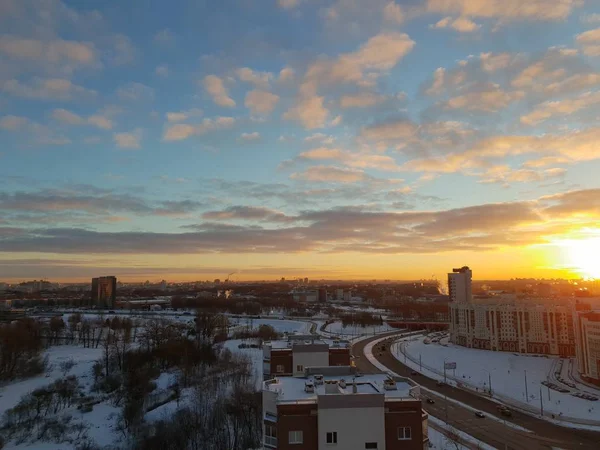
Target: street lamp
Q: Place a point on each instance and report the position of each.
(489, 379)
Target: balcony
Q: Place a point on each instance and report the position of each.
(270, 442)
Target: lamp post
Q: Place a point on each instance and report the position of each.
(489, 380)
(526, 394)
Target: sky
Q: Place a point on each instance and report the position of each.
(340, 139)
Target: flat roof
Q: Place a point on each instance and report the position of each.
(285, 344)
(292, 388)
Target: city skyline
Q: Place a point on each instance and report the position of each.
(337, 139)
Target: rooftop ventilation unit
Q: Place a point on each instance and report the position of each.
(319, 379)
(309, 387)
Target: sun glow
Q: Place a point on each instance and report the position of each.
(583, 254)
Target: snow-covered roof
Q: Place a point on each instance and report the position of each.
(293, 388)
(287, 344)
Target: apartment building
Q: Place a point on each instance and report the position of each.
(513, 326)
(342, 411)
(293, 356)
(587, 336)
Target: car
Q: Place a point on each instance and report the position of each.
(430, 401)
(413, 372)
(480, 414)
(440, 383)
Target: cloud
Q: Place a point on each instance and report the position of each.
(246, 213)
(309, 111)
(39, 134)
(590, 42)
(182, 116)
(506, 175)
(389, 131)
(13, 123)
(216, 89)
(258, 79)
(361, 100)
(487, 97)
(181, 131)
(286, 74)
(47, 89)
(330, 174)
(590, 18)
(288, 4)
(129, 140)
(164, 37)
(320, 138)
(378, 55)
(561, 108)
(460, 24)
(392, 13)
(542, 10)
(335, 121)
(55, 54)
(135, 92)
(70, 118)
(260, 102)
(250, 137)
(162, 70)
(123, 51)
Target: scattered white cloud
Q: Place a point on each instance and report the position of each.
(249, 137)
(330, 174)
(590, 18)
(69, 118)
(182, 116)
(590, 42)
(561, 108)
(135, 92)
(13, 123)
(260, 102)
(162, 70)
(129, 140)
(392, 12)
(487, 97)
(47, 89)
(258, 79)
(164, 37)
(215, 87)
(123, 51)
(542, 10)
(320, 138)
(181, 131)
(288, 4)
(309, 111)
(361, 100)
(335, 121)
(286, 74)
(460, 24)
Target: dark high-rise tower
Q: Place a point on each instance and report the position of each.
(104, 292)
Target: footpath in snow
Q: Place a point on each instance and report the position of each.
(515, 379)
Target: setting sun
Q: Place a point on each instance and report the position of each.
(584, 254)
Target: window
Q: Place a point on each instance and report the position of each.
(270, 435)
(280, 368)
(371, 445)
(299, 368)
(295, 437)
(404, 433)
(331, 437)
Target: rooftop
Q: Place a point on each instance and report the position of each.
(285, 344)
(293, 389)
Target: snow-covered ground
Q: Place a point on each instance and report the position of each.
(282, 326)
(354, 330)
(255, 355)
(100, 421)
(506, 371)
(437, 440)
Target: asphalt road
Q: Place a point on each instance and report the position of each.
(544, 435)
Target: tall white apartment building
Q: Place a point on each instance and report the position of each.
(587, 336)
(459, 285)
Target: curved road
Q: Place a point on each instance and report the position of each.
(544, 435)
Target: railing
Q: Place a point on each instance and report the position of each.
(271, 441)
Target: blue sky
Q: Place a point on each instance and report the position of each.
(345, 138)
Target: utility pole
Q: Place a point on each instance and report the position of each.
(420, 365)
(490, 380)
(526, 393)
(541, 403)
(549, 393)
(444, 370)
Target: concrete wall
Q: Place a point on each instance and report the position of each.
(354, 427)
(304, 355)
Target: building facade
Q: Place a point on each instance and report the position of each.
(459, 285)
(104, 292)
(507, 324)
(587, 336)
(293, 356)
(338, 411)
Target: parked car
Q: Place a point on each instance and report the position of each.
(413, 372)
(430, 401)
(440, 383)
(479, 414)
